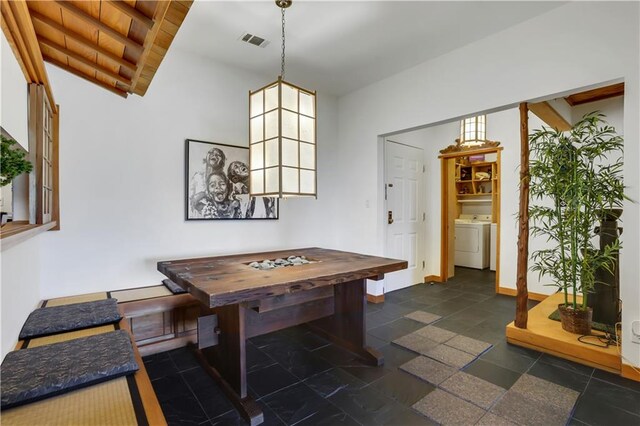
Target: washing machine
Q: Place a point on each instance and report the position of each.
(472, 240)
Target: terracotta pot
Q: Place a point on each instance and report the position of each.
(576, 321)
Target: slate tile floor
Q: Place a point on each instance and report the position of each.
(299, 378)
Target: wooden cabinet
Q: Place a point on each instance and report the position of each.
(477, 182)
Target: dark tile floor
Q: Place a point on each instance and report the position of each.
(299, 378)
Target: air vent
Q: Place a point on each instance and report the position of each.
(253, 39)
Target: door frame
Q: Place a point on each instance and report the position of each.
(444, 209)
(422, 202)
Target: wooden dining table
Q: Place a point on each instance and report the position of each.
(328, 295)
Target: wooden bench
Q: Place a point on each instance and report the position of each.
(126, 400)
(159, 319)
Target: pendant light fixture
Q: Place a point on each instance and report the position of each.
(282, 136)
(473, 130)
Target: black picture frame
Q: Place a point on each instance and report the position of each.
(217, 182)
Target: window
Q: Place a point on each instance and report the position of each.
(43, 152)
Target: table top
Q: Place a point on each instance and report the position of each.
(225, 280)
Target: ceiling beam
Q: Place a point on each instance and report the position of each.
(132, 12)
(80, 14)
(84, 76)
(596, 94)
(77, 38)
(46, 42)
(149, 41)
(550, 116)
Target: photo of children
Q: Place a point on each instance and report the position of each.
(217, 184)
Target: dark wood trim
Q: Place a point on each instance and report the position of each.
(523, 222)
(257, 324)
(347, 326)
(596, 94)
(76, 57)
(433, 278)
(246, 406)
(77, 73)
(131, 12)
(90, 20)
(168, 344)
(77, 38)
(138, 308)
(375, 299)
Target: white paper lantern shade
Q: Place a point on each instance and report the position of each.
(282, 138)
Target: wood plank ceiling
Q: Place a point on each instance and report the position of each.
(116, 44)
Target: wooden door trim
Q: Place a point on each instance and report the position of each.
(444, 210)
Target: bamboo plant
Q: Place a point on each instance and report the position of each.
(12, 161)
(575, 178)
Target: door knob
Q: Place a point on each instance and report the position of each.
(390, 217)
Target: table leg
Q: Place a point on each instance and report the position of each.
(347, 326)
(226, 362)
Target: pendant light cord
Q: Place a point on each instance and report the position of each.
(283, 44)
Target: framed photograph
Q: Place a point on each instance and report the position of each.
(217, 184)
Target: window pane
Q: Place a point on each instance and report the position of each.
(307, 156)
(307, 129)
(256, 104)
(289, 97)
(257, 131)
(307, 182)
(290, 180)
(271, 153)
(272, 180)
(271, 98)
(257, 182)
(289, 125)
(271, 125)
(289, 152)
(257, 156)
(307, 104)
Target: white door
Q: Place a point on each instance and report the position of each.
(404, 214)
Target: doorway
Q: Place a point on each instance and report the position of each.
(470, 222)
(405, 218)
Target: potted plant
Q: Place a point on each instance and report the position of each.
(575, 176)
(12, 161)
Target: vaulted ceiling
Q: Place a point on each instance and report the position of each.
(116, 44)
(340, 46)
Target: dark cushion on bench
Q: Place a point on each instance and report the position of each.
(173, 287)
(56, 319)
(32, 374)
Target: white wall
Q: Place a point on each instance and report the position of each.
(20, 293)
(14, 89)
(122, 177)
(568, 48)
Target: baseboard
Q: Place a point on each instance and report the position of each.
(375, 299)
(433, 279)
(629, 372)
(539, 297)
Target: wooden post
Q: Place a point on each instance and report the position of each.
(523, 236)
